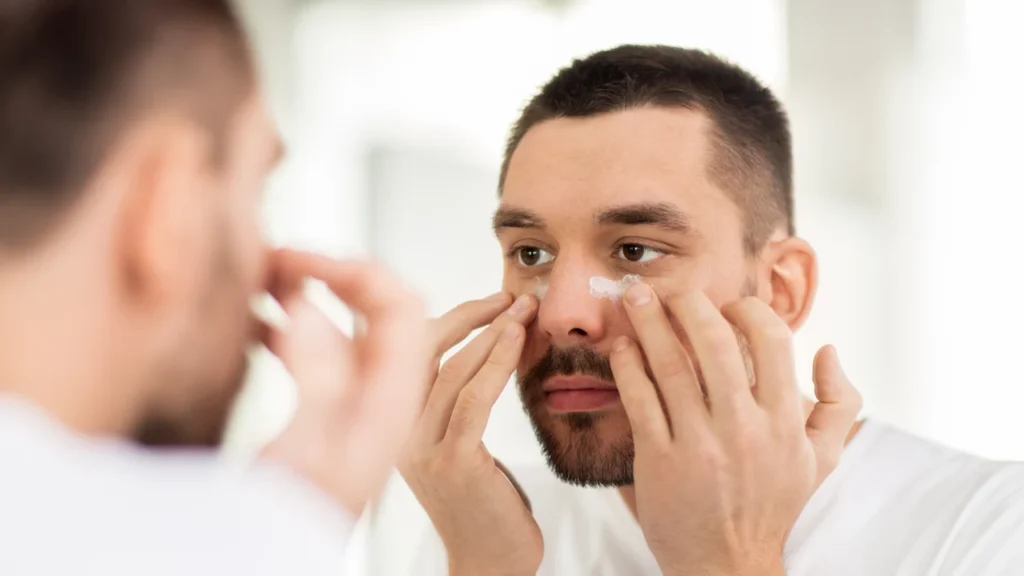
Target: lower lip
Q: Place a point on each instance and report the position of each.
(580, 400)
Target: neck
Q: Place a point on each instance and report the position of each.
(54, 349)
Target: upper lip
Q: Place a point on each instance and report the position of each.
(577, 383)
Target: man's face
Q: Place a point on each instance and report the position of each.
(204, 370)
(606, 196)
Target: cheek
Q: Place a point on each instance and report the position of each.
(249, 247)
(534, 348)
(518, 285)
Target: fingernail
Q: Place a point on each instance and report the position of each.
(510, 334)
(499, 297)
(639, 294)
(621, 343)
(520, 306)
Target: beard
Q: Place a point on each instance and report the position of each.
(580, 456)
(199, 382)
(203, 424)
(576, 448)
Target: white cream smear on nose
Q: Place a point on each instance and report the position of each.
(601, 287)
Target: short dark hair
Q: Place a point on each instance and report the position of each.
(75, 73)
(751, 145)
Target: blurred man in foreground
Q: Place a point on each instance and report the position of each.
(133, 148)
(646, 200)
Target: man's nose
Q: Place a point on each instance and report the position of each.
(568, 314)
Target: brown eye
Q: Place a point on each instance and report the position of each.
(530, 256)
(637, 253)
(633, 252)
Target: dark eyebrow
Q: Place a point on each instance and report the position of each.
(507, 217)
(661, 214)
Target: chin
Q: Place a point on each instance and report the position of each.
(199, 422)
(592, 449)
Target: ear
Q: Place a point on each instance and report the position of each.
(162, 169)
(790, 270)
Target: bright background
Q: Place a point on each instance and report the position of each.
(907, 122)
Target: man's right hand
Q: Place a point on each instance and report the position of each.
(359, 397)
(484, 523)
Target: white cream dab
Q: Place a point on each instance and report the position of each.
(601, 287)
(540, 288)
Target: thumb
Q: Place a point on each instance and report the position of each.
(833, 416)
(316, 353)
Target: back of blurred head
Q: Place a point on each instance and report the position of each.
(133, 147)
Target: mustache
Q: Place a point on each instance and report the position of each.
(578, 360)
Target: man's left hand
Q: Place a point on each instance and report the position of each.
(721, 479)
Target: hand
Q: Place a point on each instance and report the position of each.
(721, 481)
(358, 398)
(479, 514)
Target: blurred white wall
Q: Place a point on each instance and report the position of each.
(906, 139)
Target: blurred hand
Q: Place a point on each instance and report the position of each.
(721, 481)
(358, 397)
(485, 524)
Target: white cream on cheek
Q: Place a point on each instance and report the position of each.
(539, 288)
(601, 287)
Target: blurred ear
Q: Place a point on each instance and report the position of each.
(163, 174)
(790, 271)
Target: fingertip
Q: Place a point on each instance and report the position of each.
(826, 363)
(639, 294)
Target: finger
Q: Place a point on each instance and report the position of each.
(364, 286)
(319, 358)
(771, 351)
(392, 357)
(834, 415)
(717, 351)
(393, 354)
(283, 283)
(473, 407)
(463, 366)
(638, 394)
(459, 322)
(261, 332)
(668, 359)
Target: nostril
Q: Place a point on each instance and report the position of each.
(578, 332)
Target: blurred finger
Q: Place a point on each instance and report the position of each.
(283, 283)
(638, 394)
(393, 355)
(364, 286)
(319, 358)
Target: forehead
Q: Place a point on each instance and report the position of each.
(648, 155)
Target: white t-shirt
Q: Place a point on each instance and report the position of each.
(895, 505)
(81, 507)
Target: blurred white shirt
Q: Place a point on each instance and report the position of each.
(895, 505)
(82, 507)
